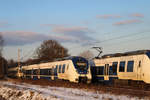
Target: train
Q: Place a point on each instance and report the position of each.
(125, 67)
(74, 69)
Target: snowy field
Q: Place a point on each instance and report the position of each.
(16, 91)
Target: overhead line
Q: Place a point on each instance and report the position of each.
(26, 54)
(115, 38)
(131, 40)
(123, 36)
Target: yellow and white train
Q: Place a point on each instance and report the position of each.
(127, 67)
(134, 66)
(74, 69)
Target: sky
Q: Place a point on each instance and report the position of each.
(78, 25)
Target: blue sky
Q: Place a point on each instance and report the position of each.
(115, 25)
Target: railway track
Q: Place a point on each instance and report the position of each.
(128, 91)
(118, 90)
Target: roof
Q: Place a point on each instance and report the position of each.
(138, 52)
(68, 58)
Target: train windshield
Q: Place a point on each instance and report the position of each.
(148, 54)
(81, 64)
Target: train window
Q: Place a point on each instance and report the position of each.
(100, 70)
(59, 68)
(34, 71)
(28, 72)
(97, 70)
(110, 70)
(24, 71)
(55, 70)
(41, 72)
(44, 72)
(114, 68)
(122, 66)
(56, 67)
(139, 63)
(130, 66)
(50, 71)
(63, 68)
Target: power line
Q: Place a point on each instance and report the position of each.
(92, 43)
(123, 36)
(130, 40)
(27, 54)
(115, 38)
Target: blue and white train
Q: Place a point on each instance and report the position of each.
(129, 66)
(74, 69)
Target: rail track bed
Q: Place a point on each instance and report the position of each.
(117, 90)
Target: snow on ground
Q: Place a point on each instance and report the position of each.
(11, 91)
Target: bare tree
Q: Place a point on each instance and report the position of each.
(87, 54)
(31, 61)
(50, 50)
(1, 44)
(2, 60)
(12, 63)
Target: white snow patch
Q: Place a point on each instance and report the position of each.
(23, 91)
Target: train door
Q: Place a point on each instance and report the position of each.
(106, 72)
(139, 71)
(113, 69)
(52, 73)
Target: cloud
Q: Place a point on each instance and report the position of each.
(108, 16)
(137, 15)
(86, 22)
(4, 24)
(51, 25)
(125, 22)
(76, 34)
(23, 37)
(62, 34)
(62, 29)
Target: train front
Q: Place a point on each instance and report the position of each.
(83, 69)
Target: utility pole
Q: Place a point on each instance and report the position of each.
(19, 58)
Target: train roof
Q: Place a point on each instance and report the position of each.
(138, 52)
(68, 58)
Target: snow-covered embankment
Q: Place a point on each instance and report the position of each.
(15, 91)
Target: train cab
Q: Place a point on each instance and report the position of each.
(74, 69)
(82, 68)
